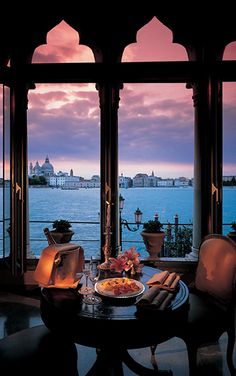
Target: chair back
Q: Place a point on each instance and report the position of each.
(216, 270)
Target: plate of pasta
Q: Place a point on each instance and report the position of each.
(121, 287)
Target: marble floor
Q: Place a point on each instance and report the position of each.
(18, 312)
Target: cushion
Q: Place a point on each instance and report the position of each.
(216, 271)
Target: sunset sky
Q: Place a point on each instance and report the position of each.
(155, 120)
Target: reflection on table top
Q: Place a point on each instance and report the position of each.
(111, 316)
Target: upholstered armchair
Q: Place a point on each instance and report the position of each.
(212, 300)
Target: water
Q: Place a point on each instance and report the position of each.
(47, 204)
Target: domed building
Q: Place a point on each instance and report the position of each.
(46, 169)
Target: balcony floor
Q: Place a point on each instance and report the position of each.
(20, 312)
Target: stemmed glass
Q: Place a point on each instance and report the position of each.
(94, 277)
(85, 290)
(92, 272)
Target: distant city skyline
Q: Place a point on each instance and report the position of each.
(40, 162)
(56, 171)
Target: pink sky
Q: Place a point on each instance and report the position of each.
(155, 120)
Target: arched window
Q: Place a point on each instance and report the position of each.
(63, 123)
(154, 43)
(229, 137)
(230, 51)
(62, 47)
(156, 140)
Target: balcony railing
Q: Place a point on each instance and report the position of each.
(177, 242)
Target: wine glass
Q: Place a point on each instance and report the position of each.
(85, 290)
(94, 277)
(92, 273)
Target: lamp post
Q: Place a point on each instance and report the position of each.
(123, 222)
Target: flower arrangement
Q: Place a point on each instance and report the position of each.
(127, 261)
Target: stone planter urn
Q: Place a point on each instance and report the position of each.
(62, 237)
(61, 232)
(153, 237)
(153, 243)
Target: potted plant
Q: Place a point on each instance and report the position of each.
(153, 238)
(232, 234)
(61, 232)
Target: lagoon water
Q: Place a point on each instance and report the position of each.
(48, 204)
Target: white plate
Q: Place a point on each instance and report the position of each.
(100, 288)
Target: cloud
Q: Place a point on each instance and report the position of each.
(62, 46)
(158, 128)
(69, 130)
(154, 43)
(229, 136)
(230, 51)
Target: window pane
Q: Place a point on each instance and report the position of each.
(64, 157)
(229, 155)
(156, 157)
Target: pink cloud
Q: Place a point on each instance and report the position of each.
(154, 43)
(230, 51)
(62, 46)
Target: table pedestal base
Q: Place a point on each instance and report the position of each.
(109, 363)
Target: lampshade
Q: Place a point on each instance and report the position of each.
(138, 216)
(121, 202)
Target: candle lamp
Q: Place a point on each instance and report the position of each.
(107, 246)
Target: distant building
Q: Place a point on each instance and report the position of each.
(229, 178)
(143, 180)
(125, 182)
(181, 182)
(165, 183)
(153, 180)
(45, 170)
(140, 180)
(95, 178)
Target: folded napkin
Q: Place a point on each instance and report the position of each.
(164, 280)
(149, 295)
(154, 298)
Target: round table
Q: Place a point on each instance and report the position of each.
(114, 325)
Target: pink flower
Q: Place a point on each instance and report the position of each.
(131, 256)
(129, 260)
(118, 264)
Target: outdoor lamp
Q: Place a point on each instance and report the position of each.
(123, 222)
(138, 216)
(121, 202)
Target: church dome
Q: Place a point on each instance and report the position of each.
(47, 167)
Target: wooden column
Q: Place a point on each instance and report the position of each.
(207, 217)
(19, 176)
(109, 104)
